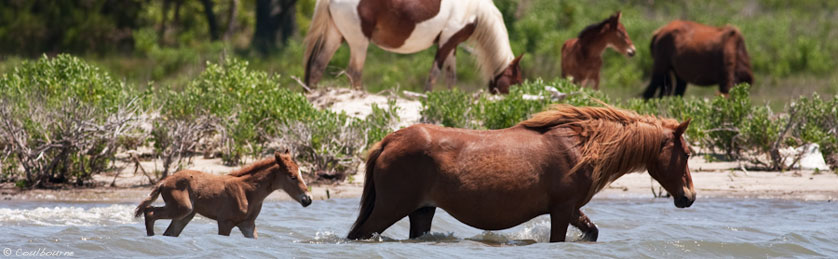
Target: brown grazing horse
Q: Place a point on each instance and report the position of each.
(582, 56)
(410, 26)
(551, 164)
(698, 54)
(234, 200)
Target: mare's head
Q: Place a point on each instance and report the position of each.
(670, 166)
(289, 178)
(615, 36)
(511, 75)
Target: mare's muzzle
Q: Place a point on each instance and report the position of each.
(683, 201)
(305, 200)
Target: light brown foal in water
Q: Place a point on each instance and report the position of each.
(551, 164)
(234, 200)
(582, 56)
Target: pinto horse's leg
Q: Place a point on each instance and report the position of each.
(447, 45)
(322, 53)
(177, 225)
(450, 68)
(248, 229)
(589, 230)
(420, 221)
(357, 57)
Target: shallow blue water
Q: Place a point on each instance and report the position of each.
(631, 227)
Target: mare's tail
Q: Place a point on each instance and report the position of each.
(320, 24)
(368, 195)
(147, 202)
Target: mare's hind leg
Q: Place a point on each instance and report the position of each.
(420, 221)
(385, 213)
(177, 225)
(589, 230)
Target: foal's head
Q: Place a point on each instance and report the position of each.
(289, 178)
(670, 168)
(508, 77)
(615, 36)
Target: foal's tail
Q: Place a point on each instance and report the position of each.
(147, 202)
(368, 196)
(320, 23)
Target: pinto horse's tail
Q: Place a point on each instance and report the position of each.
(147, 202)
(320, 24)
(368, 195)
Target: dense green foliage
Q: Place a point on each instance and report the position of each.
(732, 126)
(785, 41)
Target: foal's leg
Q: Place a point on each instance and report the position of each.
(177, 225)
(248, 229)
(323, 51)
(420, 221)
(589, 230)
(176, 207)
(357, 57)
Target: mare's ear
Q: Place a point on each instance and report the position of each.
(682, 127)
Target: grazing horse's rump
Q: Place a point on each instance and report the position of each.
(234, 200)
(699, 54)
(495, 179)
(409, 26)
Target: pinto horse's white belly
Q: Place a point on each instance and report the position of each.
(450, 19)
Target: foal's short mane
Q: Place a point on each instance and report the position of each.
(613, 141)
(254, 167)
(593, 28)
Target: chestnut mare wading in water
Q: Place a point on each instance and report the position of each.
(410, 26)
(551, 164)
(234, 200)
(698, 54)
(582, 56)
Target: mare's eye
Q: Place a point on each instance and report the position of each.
(293, 177)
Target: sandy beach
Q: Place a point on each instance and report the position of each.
(711, 179)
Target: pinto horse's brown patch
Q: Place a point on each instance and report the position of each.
(390, 23)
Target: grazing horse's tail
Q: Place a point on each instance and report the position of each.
(368, 196)
(320, 23)
(145, 203)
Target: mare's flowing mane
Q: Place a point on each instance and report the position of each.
(254, 167)
(613, 141)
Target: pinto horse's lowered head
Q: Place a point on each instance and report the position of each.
(670, 168)
(289, 178)
(511, 75)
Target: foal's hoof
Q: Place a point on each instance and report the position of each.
(589, 236)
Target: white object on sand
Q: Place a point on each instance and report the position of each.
(810, 157)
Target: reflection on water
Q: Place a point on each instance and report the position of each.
(628, 228)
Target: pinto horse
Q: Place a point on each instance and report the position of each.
(234, 200)
(582, 56)
(698, 54)
(551, 164)
(409, 26)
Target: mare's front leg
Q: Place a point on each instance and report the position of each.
(559, 219)
(225, 227)
(589, 230)
(248, 229)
